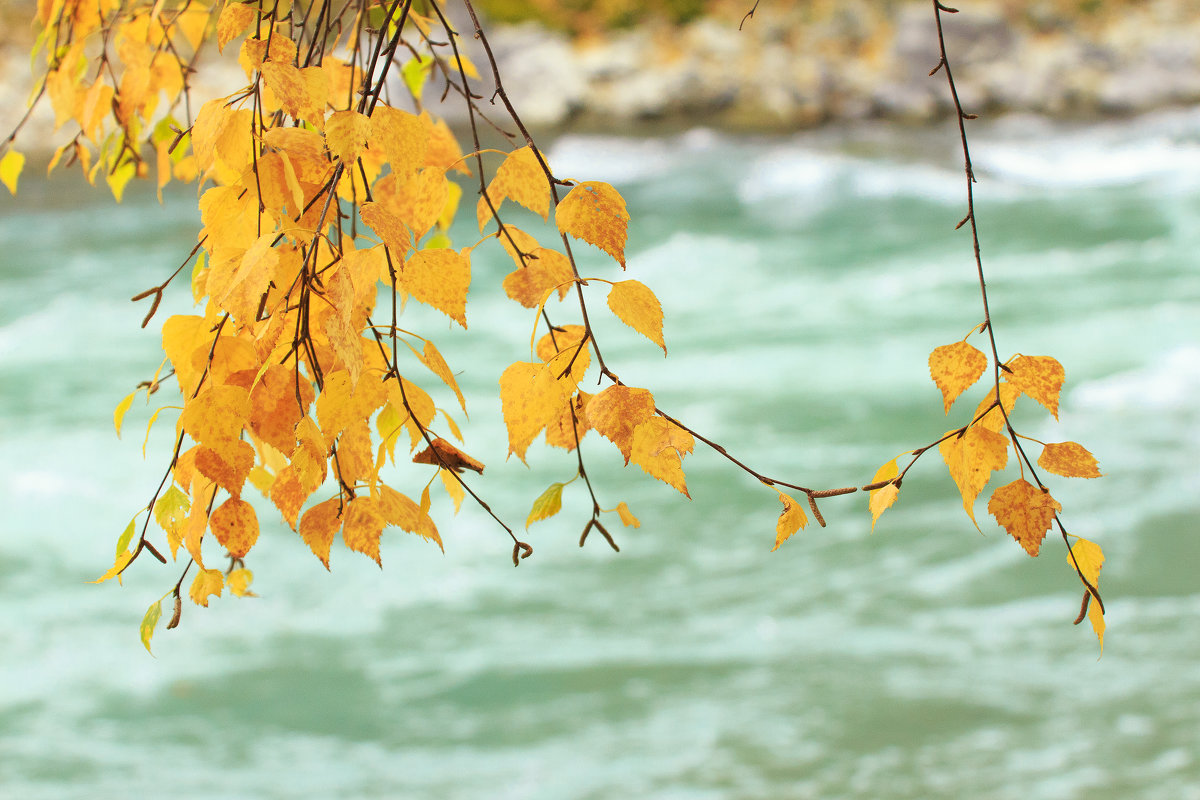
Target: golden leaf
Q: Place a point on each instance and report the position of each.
(402, 136)
(355, 461)
(217, 413)
(362, 524)
(547, 505)
(441, 279)
(431, 357)
(1039, 377)
(530, 398)
(346, 133)
(791, 519)
(319, 525)
(617, 411)
(883, 498)
(627, 517)
(208, 582)
(636, 306)
(595, 212)
(658, 447)
(994, 418)
(239, 582)
(448, 457)
(234, 20)
(520, 179)
(971, 458)
(955, 368)
(122, 561)
(340, 405)
(570, 422)
(1069, 459)
(1025, 511)
(1089, 557)
(235, 525)
(402, 512)
(454, 488)
(544, 270)
(275, 409)
(10, 169)
(388, 227)
(119, 413)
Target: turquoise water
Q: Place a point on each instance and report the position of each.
(804, 282)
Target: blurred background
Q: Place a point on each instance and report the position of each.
(807, 263)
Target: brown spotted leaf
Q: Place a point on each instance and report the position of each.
(1025, 511)
(791, 519)
(595, 212)
(235, 525)
(971, 459)
(616, 413)
(955, 368)
(1069, 459)
(1039, 377)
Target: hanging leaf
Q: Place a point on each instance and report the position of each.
(1069, 459)
(595, 212)
(235, 525)
(955, 368)
(206, 584)
(791, 519)
(636, 306)
(319, 525)
(547, 505)
(149, 623)
(10, 169)
(627, 517)
(1039, 377)
(882, 499)
(1025, 511)
(442, 453)
(616, 413)
(971, 459)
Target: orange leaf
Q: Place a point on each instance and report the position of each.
(544, 270)
(448, 457)
(971, 459)
(1040, 377)
(361, 526)
(441, 279)
(617, 411)
(658, 447)
(636, 306)
(207, 582)
(319, 525)
(388, 227)
(881, 499)
(275, 409)
(1069, 459)
(595, 212)
(235, 525)
(227, 463)
(955, 368)
(1025, 511)
(791, 519)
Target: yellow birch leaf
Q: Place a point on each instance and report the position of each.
(617, 411)
(319, 525)
(1069, 459)
(993, 419)
(234, 20)
(401, 136)
(346, 134)
(387, 227)
(355, 460)
(10, 169)
(971, 459)
(217, 413)
(570, 424)
(595, 212)
(149, 623)
(227, 463)
(122, 561)
(547, 505)
(955, 368)
(362, 524)
(1039, 377)
(1096, 617)
(881, 499)
(627, 517)
(122, 407)
(275, 410)
(403, 513)
(441, 279)
(453, 488)
(1089, 557)
(418, 200)
(235, 525)
(658, 447)
(791, 519)
(301, 92)
(239, 582)
(208, 582)
(530, 398)
(431, 357)
(544, 270)
(341, 405)
(1025, 511)
(636, 306)
(197, 522)
(519, 178)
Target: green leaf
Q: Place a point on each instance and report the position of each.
(122, 407)
(415, 73)
(549, 504)
(149, 623)
(127, 535)
(171, 510)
